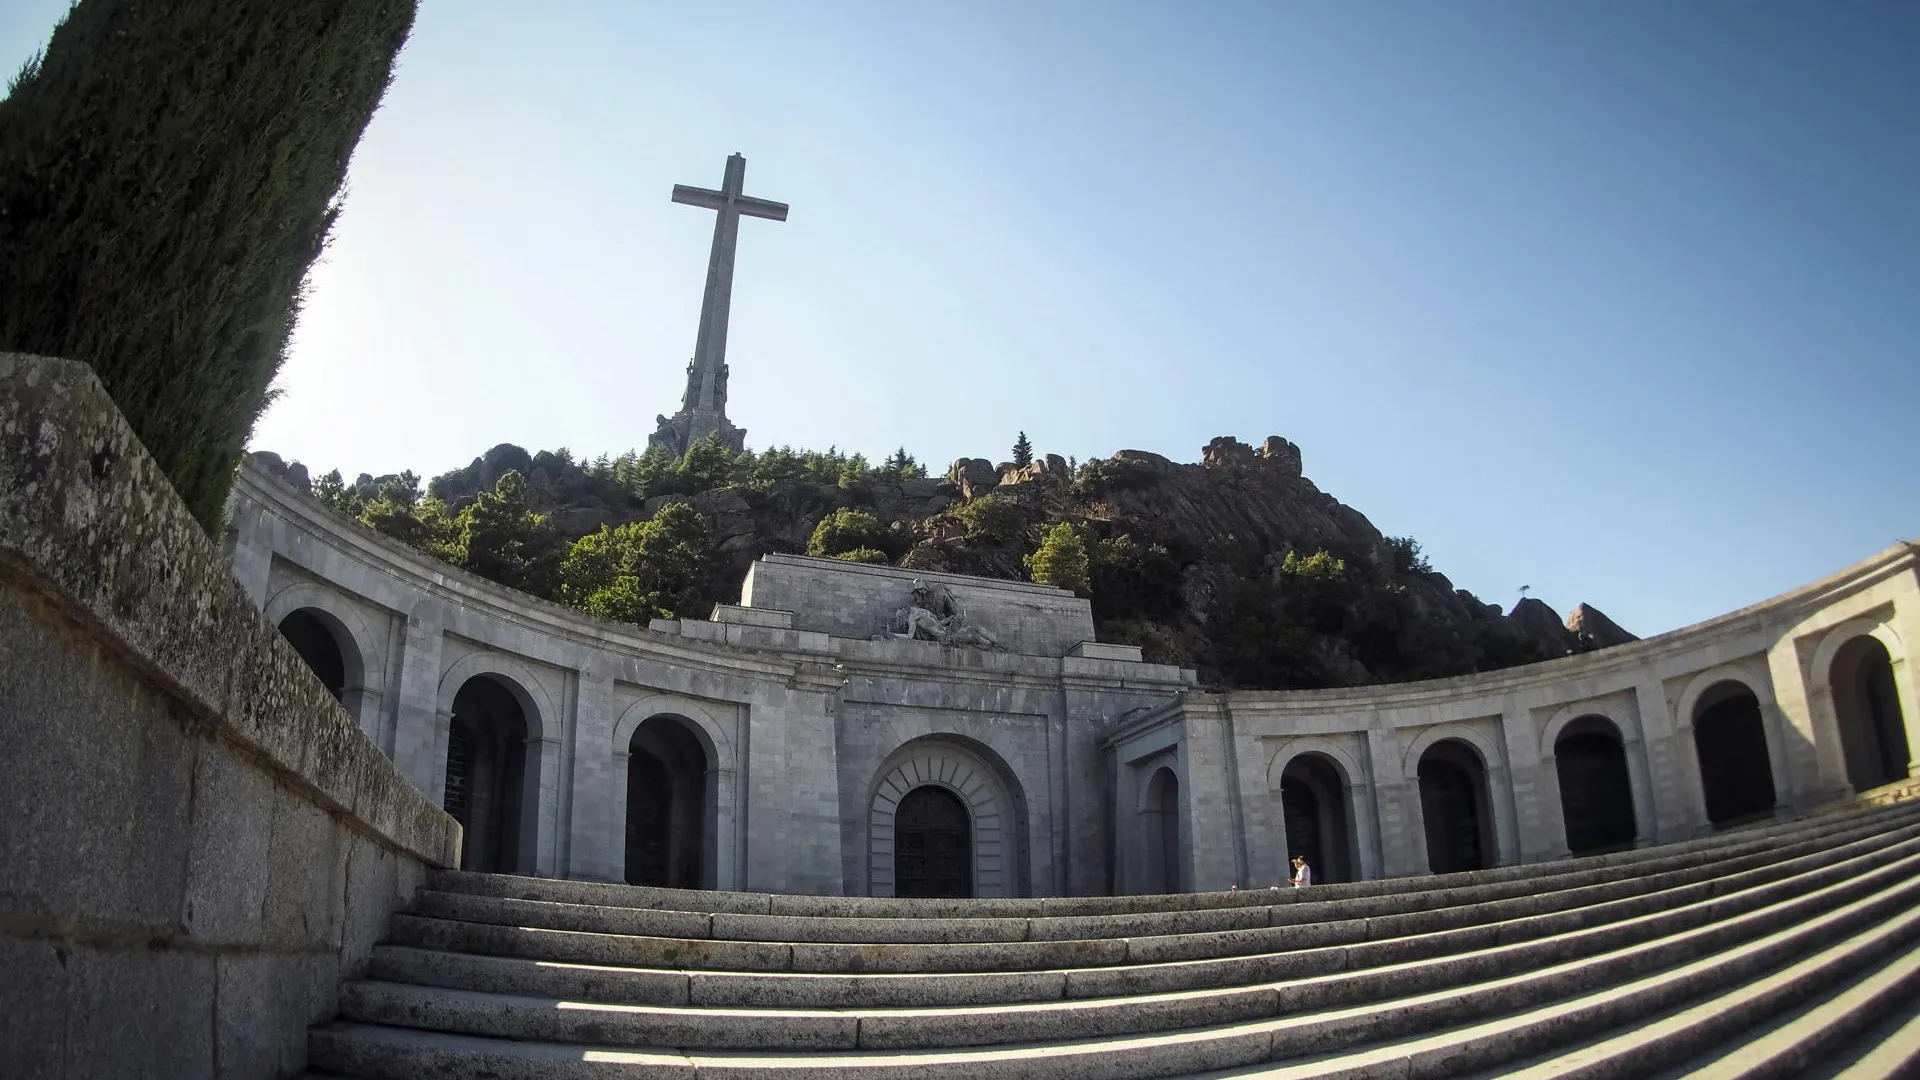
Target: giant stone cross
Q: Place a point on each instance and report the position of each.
(703, 411)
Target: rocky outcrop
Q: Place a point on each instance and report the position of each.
(1592, 629)
(973, 477)
(1208, 540)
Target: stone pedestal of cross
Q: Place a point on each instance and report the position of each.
(703, 410)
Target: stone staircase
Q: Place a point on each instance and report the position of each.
(1777, 951)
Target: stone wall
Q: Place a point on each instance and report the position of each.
(853, 600)
(197, 842)
(1229, 751)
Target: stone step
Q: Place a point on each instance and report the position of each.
(1593, 953)
(1499, 1019)
(1280, 908)
(1616, 900)
(1763, 971)
(1153, 966)
(1797, 1043)
(1890, 1050)
(601, 894)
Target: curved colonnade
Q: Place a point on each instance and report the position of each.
(1774, 709)
(746, 754)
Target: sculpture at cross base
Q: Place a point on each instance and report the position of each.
(703, 407)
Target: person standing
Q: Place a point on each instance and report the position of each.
(1302, 873)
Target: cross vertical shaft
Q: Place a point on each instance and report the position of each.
(703, 409)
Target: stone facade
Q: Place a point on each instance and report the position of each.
(197, 842)
(1083, 770)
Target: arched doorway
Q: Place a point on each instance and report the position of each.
(1730, 742)
(667, 806)
(1873, 734)
(319, 645)
(1161, 831)
(1313, 799)
(486, 777)
(1454, 802)
(1596, 791)
(932, 844)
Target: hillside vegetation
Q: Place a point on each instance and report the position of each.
(1237, 566)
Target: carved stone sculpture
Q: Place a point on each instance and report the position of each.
(936, 614)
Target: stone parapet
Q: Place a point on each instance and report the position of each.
(197, 842)
(854, 600)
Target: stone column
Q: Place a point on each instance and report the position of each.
(250, 549)
(1640, 785)
(1532, 792)
(1673, 768)
(1807, 769)
(548, 854)
(599, 816)
(1263, 818)
(1403, 836)
(793, 830)
(1209, 833)
(419, 724)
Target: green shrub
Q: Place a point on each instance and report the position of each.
(864, 555)
(844, 530)
(1061, 560)
(991, 520)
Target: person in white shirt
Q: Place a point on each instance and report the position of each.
(1302, 873)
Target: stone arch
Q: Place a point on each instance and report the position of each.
(984, 785)
(1737, 758)
(719, 852)
(1362, 846)
(1456, 806)
(356, 687)
(487, 779)
(1590, 763)
(1161, 811)
(1858, 695)
(1315, 799)
(517, 677)
(1505, 841)
(713, 734)
(539, 770)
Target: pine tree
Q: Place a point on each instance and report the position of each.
(500, 539)
(1022, 452)
(167, 174)
(1061, 560)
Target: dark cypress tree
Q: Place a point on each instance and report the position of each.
(1022, 451)
(168, 171)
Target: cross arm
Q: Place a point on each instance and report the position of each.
(761, 208)
(701, 197)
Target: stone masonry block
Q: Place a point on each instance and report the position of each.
(233, 803)
(33, 1008)
(112, 844)
(139, 1012)
(261, 1015)
(307, 862)
(372, 893)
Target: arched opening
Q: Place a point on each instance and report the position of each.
(1873, 734)
(932, 844)
(1730, 741)
(1161, 826)
(319, 645)
(1455, 804)
(1596, 791)
(486, 777)
(990, 793)
(1313, 799)
(668, 800)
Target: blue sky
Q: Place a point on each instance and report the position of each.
(1620, 301)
